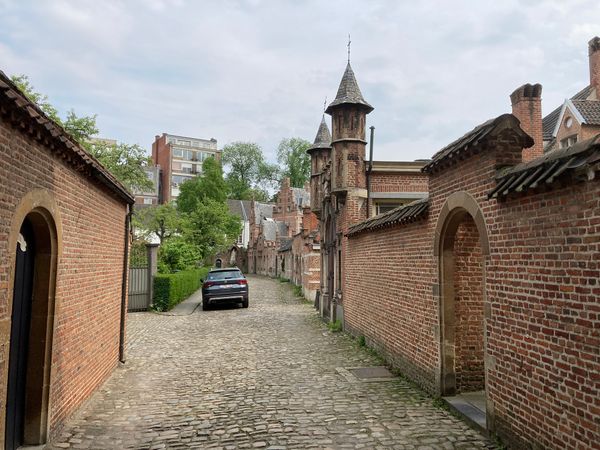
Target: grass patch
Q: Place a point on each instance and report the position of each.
(362, 342)
(335, 327)
(297, 291)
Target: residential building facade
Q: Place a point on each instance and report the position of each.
(149, 197)
(180, 158)
(578, 118)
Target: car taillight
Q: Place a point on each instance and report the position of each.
(208, 284)
(243, 282)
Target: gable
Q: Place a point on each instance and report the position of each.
(569, 121)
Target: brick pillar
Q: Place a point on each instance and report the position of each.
(527, 107)
(594, 54)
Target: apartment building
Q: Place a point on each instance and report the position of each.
(149, 197)
(180, 159)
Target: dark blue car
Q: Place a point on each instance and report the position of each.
(225, 286)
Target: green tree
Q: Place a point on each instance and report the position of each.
(177, 254)
(211, 227)
(23, 83)
(210, 185)
(295, 162)
(250, 175)
(126, 162)
(162, 221)
(80, 128)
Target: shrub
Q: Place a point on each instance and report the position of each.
(171, 288)
(176, 254)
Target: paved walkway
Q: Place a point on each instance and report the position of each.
(262, 377)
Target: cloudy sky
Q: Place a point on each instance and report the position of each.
(259, 70)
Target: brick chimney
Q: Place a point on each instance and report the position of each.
(527, 107)
(594, 54)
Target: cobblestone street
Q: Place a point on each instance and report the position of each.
(262, 377)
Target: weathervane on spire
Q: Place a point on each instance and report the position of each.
(349, 42)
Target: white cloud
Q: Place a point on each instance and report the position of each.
(259, 70)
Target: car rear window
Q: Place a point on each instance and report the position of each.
(224, 275)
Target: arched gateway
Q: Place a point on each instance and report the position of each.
(462, 248)
(35, 240)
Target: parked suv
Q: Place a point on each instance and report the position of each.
(225, 286)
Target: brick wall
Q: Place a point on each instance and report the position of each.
(89, 272)
(399, 182)
(540, 314)
(468, 308)
(543, 287)
(388, 297)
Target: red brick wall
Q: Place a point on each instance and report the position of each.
(88, 286)
(399, 182)
(468, 308)
(542, 289)
(543, 285)
(388, 297)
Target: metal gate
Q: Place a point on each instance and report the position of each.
(140, 290)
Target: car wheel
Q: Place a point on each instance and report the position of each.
(204, 305)
(245, 303)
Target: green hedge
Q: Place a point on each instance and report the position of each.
(172, 288)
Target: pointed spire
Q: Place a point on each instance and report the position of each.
(349, 92)
(323, 138)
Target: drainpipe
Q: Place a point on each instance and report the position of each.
(124, 287)
(369, 169)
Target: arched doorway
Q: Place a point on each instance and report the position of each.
(32, 324)
(462, 248)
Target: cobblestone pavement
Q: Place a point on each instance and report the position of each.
(262, 377)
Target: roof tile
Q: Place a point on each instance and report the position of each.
(547, 168)
(403, 214)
